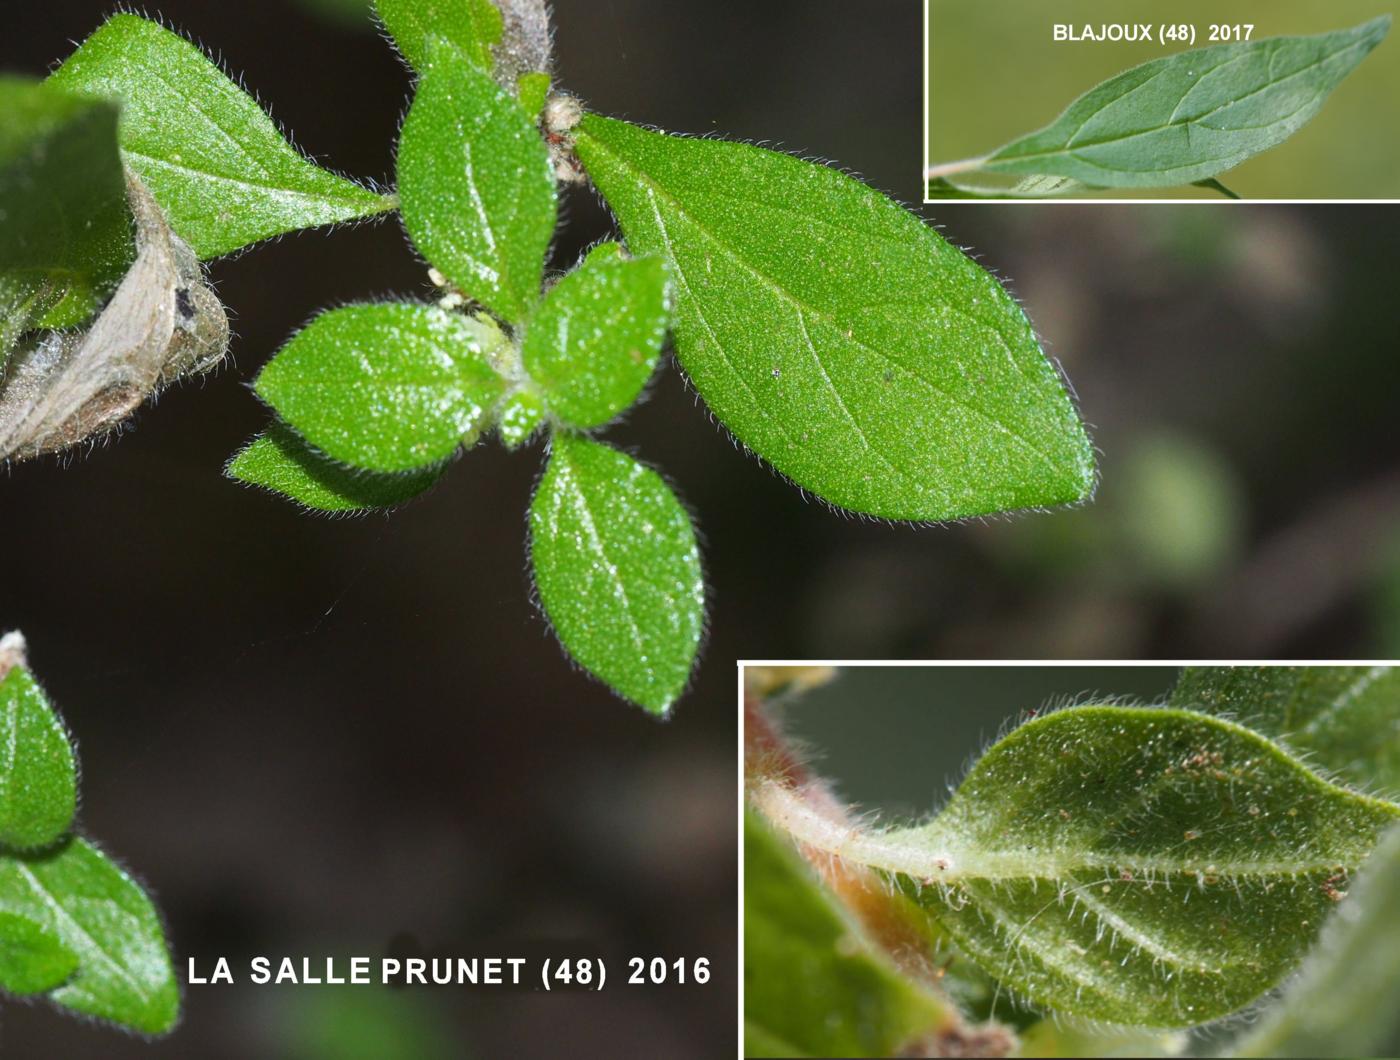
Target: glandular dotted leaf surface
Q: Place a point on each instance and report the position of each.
(1136, 866)
(593, 343)
(476, 188)
(618, 570)
(838, 336)
(216, 163)
(99, 913)
(385, 387)
(1192, 115)
(38, 778)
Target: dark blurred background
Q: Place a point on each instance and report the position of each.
(315, 736)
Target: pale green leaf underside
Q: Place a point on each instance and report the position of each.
(475, 184)
(474, 26)
(838, 336)
(593, 344)
(618, 570)
(1346, 719)
(811, 986)
(99, 913)
(1192, 115)
(38, 780)
(64, 224)
(212, 158)
(32, 959)
(1343, 1001)
(385, 387)
(280, 461)
(1132, 865)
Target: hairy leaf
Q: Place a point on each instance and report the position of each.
(24, 299)
(214, 160)
(1132, 865)
(476, 185)
(838, 336)
(812, 987)
(1193, 115)
(1346, 718)
(385, 387)
(1343, 1001)
(593, 344)
(32, 959)
(97, 911)
(474, 26)
(38, 779)
(64, 225)
(618, 570)
(280, 461)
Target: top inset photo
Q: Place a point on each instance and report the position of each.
(1088, 100)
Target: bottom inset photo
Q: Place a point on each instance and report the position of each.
(1071, 860)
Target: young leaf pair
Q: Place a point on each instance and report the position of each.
(73, 925)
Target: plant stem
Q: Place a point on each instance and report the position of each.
(948, 169)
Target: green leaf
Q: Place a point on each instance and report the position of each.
(838, 336)
(24, 299)
(593, 344)
(1343, 1001)
(38, 780)
(618, 570)
(476, 186)
(1193, 115)
(521, 414)
(533, 90)
(280, 461)
(812, 987)
(1142, 866)
(97, 911)
(215, 162)
(64, 223)
(385, 387)
(32, 959)
(1345, 718)
(474, 26)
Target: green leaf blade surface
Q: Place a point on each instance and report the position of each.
(103, 916)
(1191, 116)
(474, 26)
(38, 777)
(217, 164)
(1345, 718)
(32, 960)
(386, 387)
(281, 462)
(475, 183)
(838, 336)
(812, 987)
(1151, 867)
(594, 342)
(618, 570)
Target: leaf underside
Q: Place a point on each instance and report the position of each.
(216, 163)
(1191, 116)
(838, 336)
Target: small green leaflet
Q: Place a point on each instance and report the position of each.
(38, 780)
(618, 570)
(1345, 718)
(1142, 866)
(811, 985)
(475, 184)
(474, 26)
(64, 223)
(32, 959)
(215, 162)
(385, 387)
(838, 336)
(279, 461)
(1193, 115)
(593, 343)
(99, 913)
(1343, 1001)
